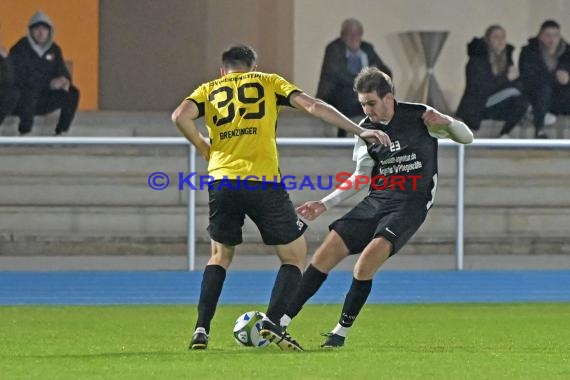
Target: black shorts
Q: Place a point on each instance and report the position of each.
(267, 204)
(394, 219)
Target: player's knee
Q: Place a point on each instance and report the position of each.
(366, 270)
(380, 246)
(372, 258)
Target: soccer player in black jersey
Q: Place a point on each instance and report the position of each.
(403, 184)
(241, 110)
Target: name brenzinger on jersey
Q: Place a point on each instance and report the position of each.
(238, 132)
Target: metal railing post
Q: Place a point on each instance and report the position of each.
(459, 206)
(191, 217)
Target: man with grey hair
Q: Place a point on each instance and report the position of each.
(344, 58)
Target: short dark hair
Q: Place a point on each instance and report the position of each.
(239, 56)
(373, 79)
(549, 24)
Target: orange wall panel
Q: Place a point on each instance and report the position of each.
(76, 25)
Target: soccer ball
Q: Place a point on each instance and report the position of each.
(246, 330)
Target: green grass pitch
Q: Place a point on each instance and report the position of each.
(452, 341)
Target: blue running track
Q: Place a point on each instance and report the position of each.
(241, 287)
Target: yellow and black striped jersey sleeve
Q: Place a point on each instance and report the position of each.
(199, 96)
(241, 111)
(284, 90)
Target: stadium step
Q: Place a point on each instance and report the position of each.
(154, 124)
(95, 200)
(102, 176)
(156, 230)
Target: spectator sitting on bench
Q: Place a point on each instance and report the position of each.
(493, 89)
(545, 73)
(42, 77)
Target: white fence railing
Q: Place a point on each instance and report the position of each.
(293, 142)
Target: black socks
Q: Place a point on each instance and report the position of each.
(212, 283)
(311, 282)
(285, 287)
(355, 299)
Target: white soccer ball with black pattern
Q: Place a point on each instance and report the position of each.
(246, 330)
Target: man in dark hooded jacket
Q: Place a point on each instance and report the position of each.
(545, 68)
(493, 90)
(42, 77)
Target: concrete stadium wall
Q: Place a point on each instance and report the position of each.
(153, 55)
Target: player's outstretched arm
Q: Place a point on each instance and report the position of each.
(183, 117)
(331, 115)
(443, 126)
